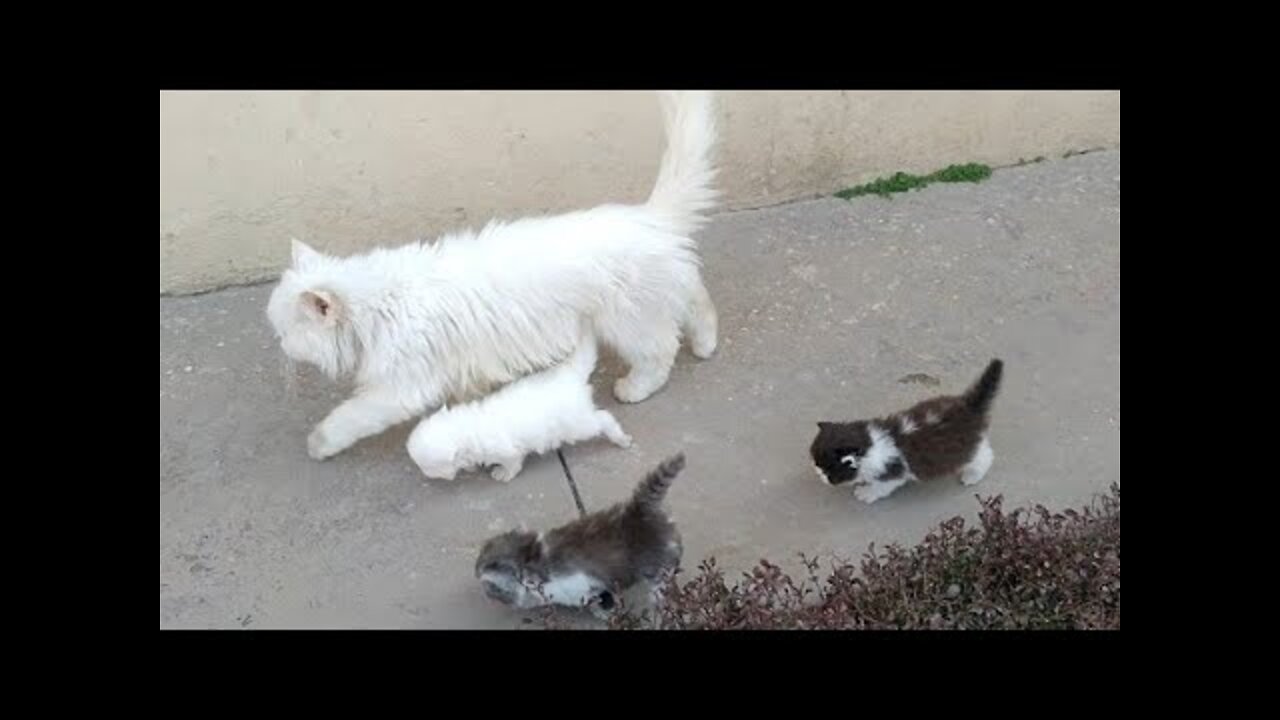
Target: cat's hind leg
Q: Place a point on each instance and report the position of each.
(977, 468)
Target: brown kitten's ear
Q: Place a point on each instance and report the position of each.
(321, 305)
(824, 425)
(303, 254)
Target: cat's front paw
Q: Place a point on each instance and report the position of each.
(630, 390)
(704, 347)
(867, 493)
(320, 447)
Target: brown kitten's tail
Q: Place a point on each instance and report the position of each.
(978, 398)
(653, 488)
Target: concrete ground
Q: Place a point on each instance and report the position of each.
(828, 309)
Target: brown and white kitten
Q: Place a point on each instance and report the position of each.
(935, 438)
(590, 561)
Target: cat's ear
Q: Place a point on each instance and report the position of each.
(322, 306)
(303, 255)
(824, 425)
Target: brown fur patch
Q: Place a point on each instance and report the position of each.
(944, 433)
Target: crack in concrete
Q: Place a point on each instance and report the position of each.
(573, 486)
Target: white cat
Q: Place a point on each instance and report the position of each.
(535, 414)
(429, 322)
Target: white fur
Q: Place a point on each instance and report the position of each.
(883, 450)
(426, 322)
(534, 414)
(977, 468)
(877, 489)
(908, 425)
(574, 590)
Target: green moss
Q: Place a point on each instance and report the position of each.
(903, 182)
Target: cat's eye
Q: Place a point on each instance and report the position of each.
(848, 460)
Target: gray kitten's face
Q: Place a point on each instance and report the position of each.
(503, 567)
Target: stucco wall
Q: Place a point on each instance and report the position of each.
(241, 172)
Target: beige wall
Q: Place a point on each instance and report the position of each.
(241, 172)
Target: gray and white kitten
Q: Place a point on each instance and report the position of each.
(632, 546)
(936, 438)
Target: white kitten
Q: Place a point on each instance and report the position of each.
(535, 414)
(425, 323)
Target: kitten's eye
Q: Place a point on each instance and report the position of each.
(844, 454)
(847, 460)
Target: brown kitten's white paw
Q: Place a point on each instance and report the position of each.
(877, 490)
(866, 494)
(978, 467)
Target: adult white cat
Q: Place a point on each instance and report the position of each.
(451, 320)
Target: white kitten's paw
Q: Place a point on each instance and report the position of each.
(502, 473)
(320, 447)
(623, 440)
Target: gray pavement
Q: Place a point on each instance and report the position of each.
(829, 310)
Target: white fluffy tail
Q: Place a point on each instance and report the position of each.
(683, 190)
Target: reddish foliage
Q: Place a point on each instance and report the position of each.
(1016, 570)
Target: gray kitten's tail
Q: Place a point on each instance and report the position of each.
(978, 398)
(653, 488)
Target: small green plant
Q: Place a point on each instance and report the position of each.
(903, 182)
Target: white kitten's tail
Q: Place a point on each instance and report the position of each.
(683, 190)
